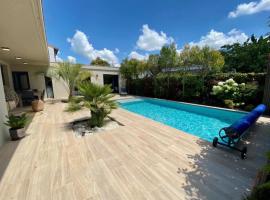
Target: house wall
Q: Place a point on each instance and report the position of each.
(3, 113)
(97, 76)
(60, 89)
(52, 55)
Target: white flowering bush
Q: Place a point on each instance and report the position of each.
(229, 92)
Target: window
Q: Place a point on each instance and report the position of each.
(21, 81)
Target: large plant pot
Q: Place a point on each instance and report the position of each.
(37, 105)
(16, 134)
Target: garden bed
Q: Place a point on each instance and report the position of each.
(81, 127)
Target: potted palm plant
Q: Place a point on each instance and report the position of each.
(16, 124)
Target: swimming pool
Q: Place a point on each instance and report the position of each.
(201, 121)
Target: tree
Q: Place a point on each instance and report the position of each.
(100, 62)
(251, 56)
(167, 60)
(98, 99)
(152, 65)
(207, 58)
(168, 57)
(71, 74)
(132, 68)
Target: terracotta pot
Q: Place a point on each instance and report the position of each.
(17, 134)
(37, 105)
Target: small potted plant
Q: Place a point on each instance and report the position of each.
(16, 124)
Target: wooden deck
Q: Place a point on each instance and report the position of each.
(141, 160)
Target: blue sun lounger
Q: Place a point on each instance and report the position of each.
(231, 135)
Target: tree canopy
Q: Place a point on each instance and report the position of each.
(207, 58)
(251, 56)
(168, 58)
(152, 65)
(132, 68)
(100, 62)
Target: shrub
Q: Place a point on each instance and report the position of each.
(98, 99)
(229, 90)
(16, 122)
(249, 107)
(229, 103)
(248, 92)
(177, 86)
(261, 192)
(238, 77)
(195, 88)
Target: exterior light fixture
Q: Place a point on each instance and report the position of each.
(5, 49)
(18, 58)
(25, 63)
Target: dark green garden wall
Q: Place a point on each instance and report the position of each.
(197, 89)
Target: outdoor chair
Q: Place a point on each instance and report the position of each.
(123, 92)
(27, 97)
(231, 135)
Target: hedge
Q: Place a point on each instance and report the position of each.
(196, 88)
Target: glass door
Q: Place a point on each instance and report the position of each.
(21, 81)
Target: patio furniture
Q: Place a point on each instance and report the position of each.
(38, 94)
(27, 97)
(231, 135)
(42, 95)
(123, 92)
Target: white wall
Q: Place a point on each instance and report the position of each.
(3, 113)
(97, 76)
(60, 90)
(52, 56)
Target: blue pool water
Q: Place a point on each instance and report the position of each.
(200, 121)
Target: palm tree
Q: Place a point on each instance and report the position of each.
(71, 74)
(96, 98)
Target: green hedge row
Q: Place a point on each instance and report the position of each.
(192, 87)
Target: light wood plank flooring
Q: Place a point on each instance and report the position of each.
(141, 160)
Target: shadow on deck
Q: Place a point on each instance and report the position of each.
(205, 177)
(10, 147)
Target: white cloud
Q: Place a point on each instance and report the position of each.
(250, 8)
(81, 45)
(217, 39)
(137, 56)
(150, 40)
(71, 59)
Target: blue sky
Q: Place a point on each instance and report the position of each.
(113, 30)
